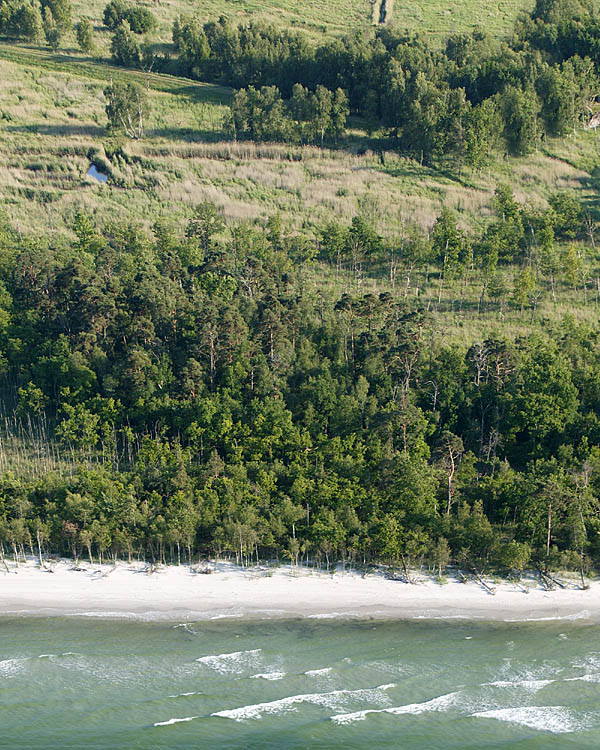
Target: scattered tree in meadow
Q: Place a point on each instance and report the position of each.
(126, 108)
(124, 47)
(52, 31)
(140, 19)
(84, 31)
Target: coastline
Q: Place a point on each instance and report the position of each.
(176, 593)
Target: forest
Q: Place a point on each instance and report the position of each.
(198, 382)
(196, 391)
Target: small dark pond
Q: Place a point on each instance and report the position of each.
(97, 175)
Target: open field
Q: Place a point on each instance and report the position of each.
(439, 19)
(53, 118)
(334, 18)
(431, 17)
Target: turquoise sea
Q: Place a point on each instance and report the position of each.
(311, 683)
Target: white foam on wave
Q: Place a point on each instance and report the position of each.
(108, 615)
(584, 678)
(331, 615)
(183, 695)
(233, 663)
(174, 721)
(448, 617)
(330, 700)
(268, 676)
(318, 672)
(531, 685)
(441, 703)
(585, 614)
(591, 666)
(554, 719)
(225, 616)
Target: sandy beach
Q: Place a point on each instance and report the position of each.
(178, 593)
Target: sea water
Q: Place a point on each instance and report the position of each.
(313, 683)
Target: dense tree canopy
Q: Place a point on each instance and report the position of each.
(193, 394)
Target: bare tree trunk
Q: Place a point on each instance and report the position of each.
(39, 546)
(549, 532)
(2, 559)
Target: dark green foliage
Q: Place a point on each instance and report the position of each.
(456, 105)
(52, 31)
(140, 19)
(85, 35)
(22, 20)
(212, 401)
(305, 118)
(126, 108)
(125, 48)
(60, 12)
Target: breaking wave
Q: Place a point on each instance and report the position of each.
(233, 663)
(330, 700)
(174, 721)
(554, 719)
(441, 703)
(532, 685)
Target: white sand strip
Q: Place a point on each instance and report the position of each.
(177, 593)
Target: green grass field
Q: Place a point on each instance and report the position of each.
(439, 19)
(52, 111)
(431, 17)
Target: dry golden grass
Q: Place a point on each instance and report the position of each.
(51, 120)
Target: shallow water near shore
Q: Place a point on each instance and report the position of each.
(77, 682)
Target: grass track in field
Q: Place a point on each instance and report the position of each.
(101, 70)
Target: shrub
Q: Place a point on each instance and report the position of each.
(140, 20)
(85, 35)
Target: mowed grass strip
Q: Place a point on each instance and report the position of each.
(104, 71)
(439, 19)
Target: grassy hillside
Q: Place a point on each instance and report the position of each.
(53, 116)
(431, 17)
(436, 18)
(53, 120)
(52, 124)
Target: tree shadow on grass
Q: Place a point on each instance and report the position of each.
(188, 135)
(591, 203)
(57, 130)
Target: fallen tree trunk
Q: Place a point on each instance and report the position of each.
(490, 589)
